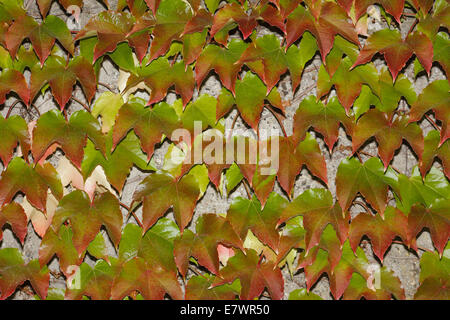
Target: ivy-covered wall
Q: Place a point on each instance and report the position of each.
(374, 147)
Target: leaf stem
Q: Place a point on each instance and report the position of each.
(106, 86)
(433, 123)
(230, 134)
(247, 188)
(85, 106)
(277, 116)
(12, 107)
(362, 204)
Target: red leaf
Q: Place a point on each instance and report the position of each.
(397, 51)
(331, 21)
(254, 276)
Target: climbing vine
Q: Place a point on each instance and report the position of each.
(152, 246)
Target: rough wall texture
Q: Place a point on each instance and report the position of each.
(405, 264)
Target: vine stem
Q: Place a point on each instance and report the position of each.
(277, 116)
(230, 134)
(362, 204)
(85, 106)
(12, 107)
(247, 189)
(132, 213)
(106, 86)
(433, 123)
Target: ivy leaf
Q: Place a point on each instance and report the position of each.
(265, 55)
(60, 244)
(153, 191)
(71, 136)
(93, 282)
(434, 97)
(211, 230)
(246, 214)
(388, 133)
(148, 123)
(433, 150)
(118, 162)
(254, 276)
(397, 51)
(193, 46)
(436, 218)
(331, 20)
(41, 221)
(201, 20)
(431, 23)
(14, 272)
(157, 246)
(293, 157)
(107, 106)
(251, 94)
(42, 36)
(151, 280)
(348, 83)
(13, 80)
(199, 288)
(234, 13)
(389, 285)
(441, 46)
(97, 248)
(112, 28)
(224, 61)
(32, 181)
(153, 5)
(62, 77)
(10, 10)
(13, 131)
(433, 277)
(414, 190)
(395, 8)
(297, 57)
(303, 294)
(86, 218)
(325, 119)
(44, 5)
(14, 215)
(171, 18)
(368, 179)
(159, 76)
(380, 231)
(202, 110)
(329, 242)
(342, 273)
(148, 263)
(318, 210)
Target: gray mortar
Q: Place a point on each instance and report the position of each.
(404, 263)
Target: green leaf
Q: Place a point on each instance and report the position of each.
(32, 181)
(71, 136)
(303, 294)
(86, 217)
(367, 179)
(199, 288)
(107, 106)
(62, 77)
(211, 230)
(42, 36)
(14, 272)
(254, 276)
(13, 131)
(153, 191)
